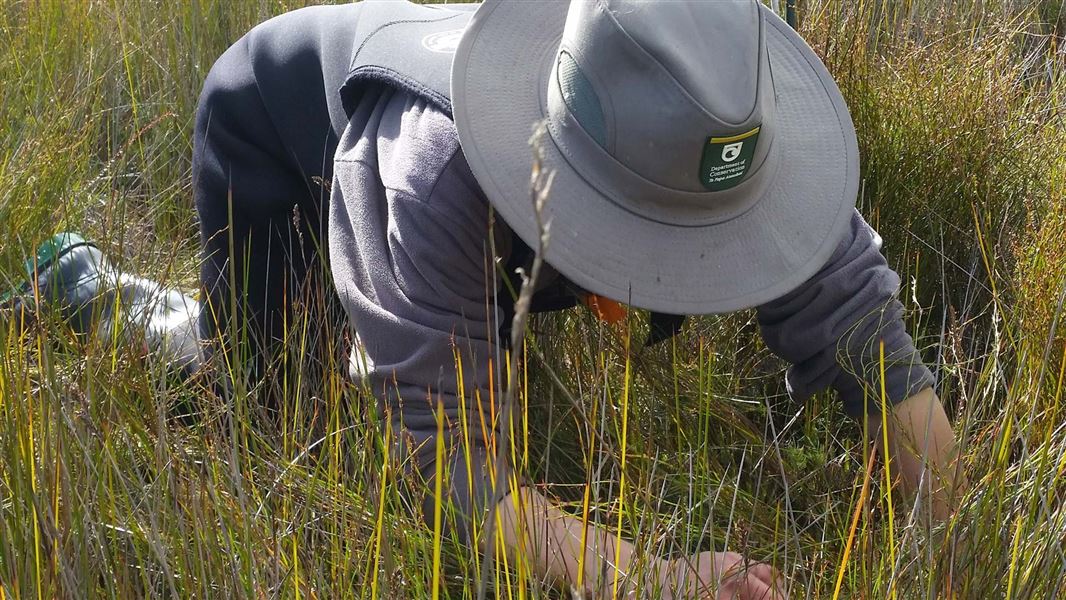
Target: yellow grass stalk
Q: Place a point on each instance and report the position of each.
(30, 453)
(622, 479)
(854, 523)
(1014, 557)
(587, 499)
(379, 523)
(439, 500)
(888, 469)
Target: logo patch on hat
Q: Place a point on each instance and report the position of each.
(726, 160)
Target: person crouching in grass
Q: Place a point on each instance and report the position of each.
(702, 161)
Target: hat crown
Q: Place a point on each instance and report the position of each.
(634, 121)
(712, 51)
(651, 83)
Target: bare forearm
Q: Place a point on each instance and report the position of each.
(922, 444)
(566, 550)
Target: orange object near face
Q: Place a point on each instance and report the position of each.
(605, 309)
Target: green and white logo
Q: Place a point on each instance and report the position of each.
(731, 151)
(726, 160)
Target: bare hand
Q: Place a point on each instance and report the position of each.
(721, 576)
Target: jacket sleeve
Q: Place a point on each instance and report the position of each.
(831, 329)
(267, 122)
(409, 239)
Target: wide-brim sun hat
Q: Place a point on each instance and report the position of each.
(704, 158)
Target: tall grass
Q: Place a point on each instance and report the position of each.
(107, 491)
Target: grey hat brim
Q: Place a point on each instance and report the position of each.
(499, 78)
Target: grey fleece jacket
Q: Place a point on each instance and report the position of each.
(409, 237)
